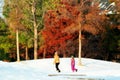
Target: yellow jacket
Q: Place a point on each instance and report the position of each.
(56, 59)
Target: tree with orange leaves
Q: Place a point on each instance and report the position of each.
(72, 16)
(53, 33)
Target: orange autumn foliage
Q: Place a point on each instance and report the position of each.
(53, 35)
(61, 24)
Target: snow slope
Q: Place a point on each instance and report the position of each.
(41, 68)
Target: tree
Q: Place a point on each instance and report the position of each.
(55, 38)
(113, 30)
(26, 41)
(13, 15)
(33, 18)
(46, 5)
(5, 41)
(80, 15)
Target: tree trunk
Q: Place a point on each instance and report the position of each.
(35, 41)
(64, 55)
(80, 44)
(17, 43)
(44, 53)
(35, 29)
(26, 53)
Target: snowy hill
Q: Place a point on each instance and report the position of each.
(42, 68)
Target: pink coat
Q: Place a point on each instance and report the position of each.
(73, 65)
(72, 62)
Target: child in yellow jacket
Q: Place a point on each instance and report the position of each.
(56, 61)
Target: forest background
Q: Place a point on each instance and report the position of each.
(34, 29)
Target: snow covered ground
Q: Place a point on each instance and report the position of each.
(41, 69)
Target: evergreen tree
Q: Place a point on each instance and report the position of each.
(5, 41)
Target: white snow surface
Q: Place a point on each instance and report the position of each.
(40, 69)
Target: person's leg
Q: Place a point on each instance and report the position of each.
(75, 68)
(72, 67)
(57, 68)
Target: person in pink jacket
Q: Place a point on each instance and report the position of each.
(73, 64)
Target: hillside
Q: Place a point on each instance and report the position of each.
(43, 69)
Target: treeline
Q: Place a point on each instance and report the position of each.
(33, 29)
